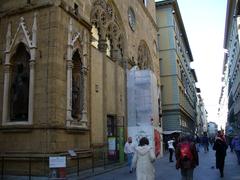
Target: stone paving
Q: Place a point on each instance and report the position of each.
(166, 170)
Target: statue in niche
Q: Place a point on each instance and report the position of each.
(76, 96)
(77, 87)
(19, 94)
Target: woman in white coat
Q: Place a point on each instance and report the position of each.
(143, 161)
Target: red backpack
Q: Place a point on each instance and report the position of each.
(185, 151)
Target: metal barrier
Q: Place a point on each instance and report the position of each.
(37, 164)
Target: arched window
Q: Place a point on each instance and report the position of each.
(108, 51)
(77, 86)
(95, 36)
(19, 85)
(19, 70)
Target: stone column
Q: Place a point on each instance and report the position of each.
(31, 91)
(7, 67)
(84, 118)
(5, 112)
(69, 91)
(32, 70)
(102, 44)
(69, 75)
(84, 70)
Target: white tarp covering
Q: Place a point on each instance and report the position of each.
(142, 104)
(142, 97)
(137, 132)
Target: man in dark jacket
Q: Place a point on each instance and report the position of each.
(220, 146)
(205, 142)
(186, 157)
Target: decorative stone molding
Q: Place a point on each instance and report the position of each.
(77, 41)
(105, 20)
(22, 35)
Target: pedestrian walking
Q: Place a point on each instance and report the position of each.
(220, 146)
(171, 148)
(236, 146)
(205, 142)
(197, 141)
(143, 160)
(186, 157)
(129, 150)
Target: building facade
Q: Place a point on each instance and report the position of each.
(202, 123)
(63, 73)
(223, 99)
(232, 62)
(177, 78)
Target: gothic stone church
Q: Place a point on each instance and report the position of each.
(63, 74)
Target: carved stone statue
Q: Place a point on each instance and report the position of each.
(76, 96)
(19, 94)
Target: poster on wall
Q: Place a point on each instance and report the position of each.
(111, 145)
(157, 139)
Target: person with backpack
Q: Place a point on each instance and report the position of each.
(220, 146)
(186, 157)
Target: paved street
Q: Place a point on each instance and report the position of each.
(167, 171)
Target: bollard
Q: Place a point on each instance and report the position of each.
(93, 161)
(29, 169)
(2, 168)
(77, 165)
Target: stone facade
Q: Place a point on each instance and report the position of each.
(79, 52)
(231, 67)
(177, 78)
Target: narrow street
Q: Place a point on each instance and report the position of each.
(166, 171)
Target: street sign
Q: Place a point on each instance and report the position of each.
(57, 162)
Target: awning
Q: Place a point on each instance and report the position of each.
(171, 132)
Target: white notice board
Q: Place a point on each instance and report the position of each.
(57, 162)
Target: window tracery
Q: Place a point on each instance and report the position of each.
(106, 21)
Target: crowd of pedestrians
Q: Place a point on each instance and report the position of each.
(142, 157)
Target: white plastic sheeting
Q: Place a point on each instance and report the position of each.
(142, 104)
(142, 97)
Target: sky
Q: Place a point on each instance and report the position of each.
(204, 22)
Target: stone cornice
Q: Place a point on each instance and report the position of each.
(28, 128)
(24, 9)
(77, 17)
(31, 7)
